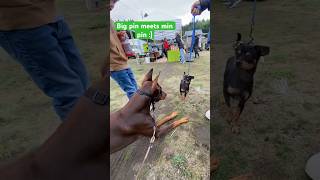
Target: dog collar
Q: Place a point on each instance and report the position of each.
(97, 96)
(144, 93)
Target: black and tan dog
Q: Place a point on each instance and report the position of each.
(185, 85)
(239, 78)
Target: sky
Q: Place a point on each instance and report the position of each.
(156, 9)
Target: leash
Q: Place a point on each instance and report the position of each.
(186, 78)
(153, 138)
(253, 17)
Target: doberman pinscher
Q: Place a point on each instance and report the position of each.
(185, 85)
(239, 78)
(135, 118)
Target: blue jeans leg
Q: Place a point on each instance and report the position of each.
(126, 81)
(50, 57)
(182, 59)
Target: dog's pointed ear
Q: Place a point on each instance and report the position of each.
(262, 50)
(155, 83)
(148, 76)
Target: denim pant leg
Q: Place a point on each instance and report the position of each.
(133, 79)
(72, 53)
(182, 59)
(124, 79)
(40, 53)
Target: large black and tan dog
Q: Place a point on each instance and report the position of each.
(239, 78)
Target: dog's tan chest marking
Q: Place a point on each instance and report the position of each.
(247, 66)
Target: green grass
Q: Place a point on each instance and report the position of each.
(278, 136)
(180, 162)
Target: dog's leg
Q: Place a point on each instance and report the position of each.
(235, 123)
(214, 164)
(227, 101)
(167, 118)
(235, 127)
(162, 130)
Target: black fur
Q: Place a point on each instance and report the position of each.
(239, 72)
(185, 84)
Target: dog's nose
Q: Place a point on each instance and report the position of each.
(164, 95)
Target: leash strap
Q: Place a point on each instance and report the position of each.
(148, 150)
(253, 20)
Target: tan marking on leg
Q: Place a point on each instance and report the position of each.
(179, 122)
(167, 118)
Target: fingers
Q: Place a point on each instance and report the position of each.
(164, 130)
(194, 8)
(167, 118)
(179, 122)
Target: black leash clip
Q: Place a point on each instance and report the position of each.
(185, 84)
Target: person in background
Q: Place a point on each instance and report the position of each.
(181, 47)
(119, 69)
(165, 47)
(196, 47)
(34, 35)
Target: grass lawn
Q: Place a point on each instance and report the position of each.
(280, 134)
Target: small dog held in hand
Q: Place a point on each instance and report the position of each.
(239, 78)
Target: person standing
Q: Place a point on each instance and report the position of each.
(165, 47)
(196, 47)
(120, 71)
(36, 37)
(181, 47)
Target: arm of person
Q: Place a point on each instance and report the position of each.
(199, 6)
